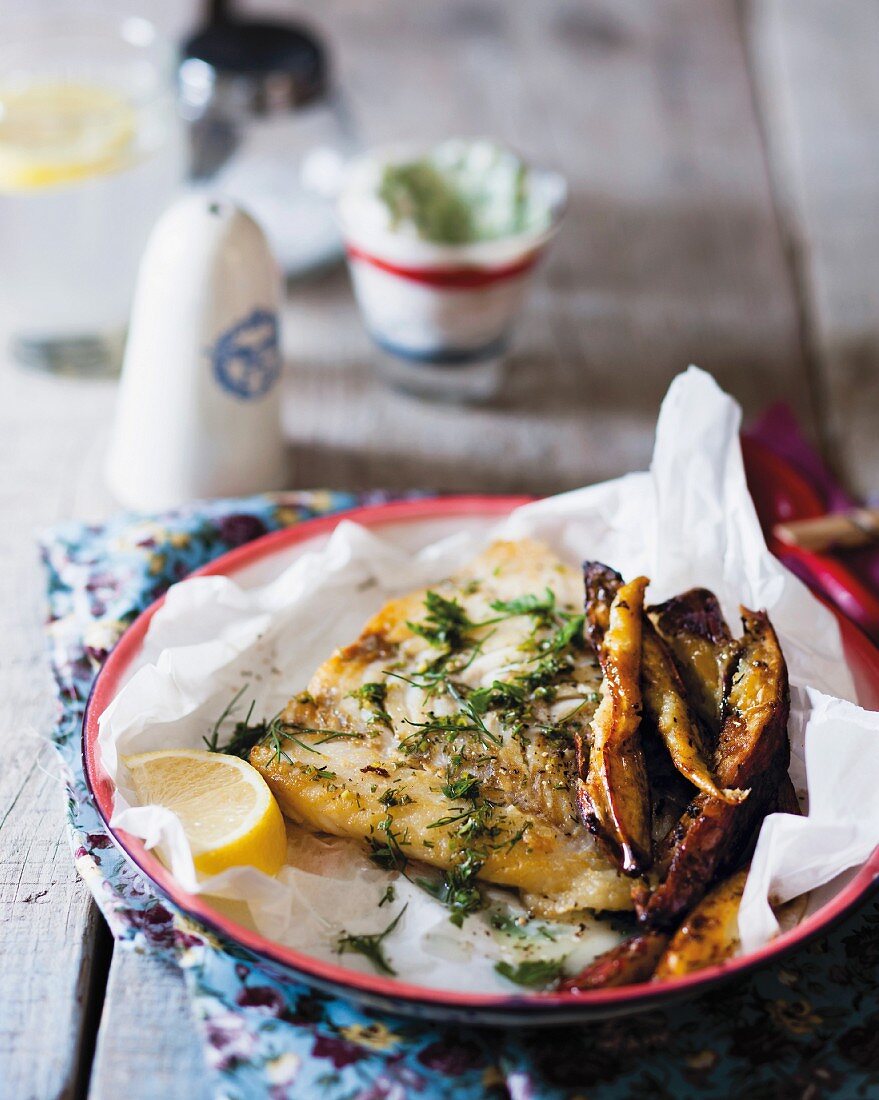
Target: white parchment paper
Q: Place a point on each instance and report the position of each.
(687, 521)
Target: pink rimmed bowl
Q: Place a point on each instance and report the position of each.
(411, 524)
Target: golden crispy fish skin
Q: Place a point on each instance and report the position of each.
(709, 934)
(393, 766)
(753, 751)
(614, 796)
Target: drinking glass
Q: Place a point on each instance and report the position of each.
(91, 151)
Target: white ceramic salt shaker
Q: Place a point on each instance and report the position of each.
(198, 412)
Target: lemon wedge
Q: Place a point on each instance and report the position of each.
(229, 815)
(54, 133)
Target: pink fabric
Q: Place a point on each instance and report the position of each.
(778, 429)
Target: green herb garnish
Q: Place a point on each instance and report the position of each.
(394, 797)
(532, 973)
(457, 889)
(445, 623)
(388, 853)
(502, 695)
(472, 821)
(569, 633)
(370, 944)
(542, 607)
(510, 926)
(462, 786)
(373, 695)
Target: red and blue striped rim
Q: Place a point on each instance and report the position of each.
(462, 277)
(391, 992)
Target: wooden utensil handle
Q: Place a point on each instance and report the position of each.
(839, 531)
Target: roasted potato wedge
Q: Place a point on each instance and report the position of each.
(752, 752)
(613, 795)
(665, 703)
(753, 739)
(696, 632)
(601, 584)
(633, 960)
(664, 695)
(709, 934)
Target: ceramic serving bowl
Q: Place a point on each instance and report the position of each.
(413, 524)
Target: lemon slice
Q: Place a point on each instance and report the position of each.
(52, 134)
(229, 815)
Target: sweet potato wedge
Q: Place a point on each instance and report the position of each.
(633, 960)
(695, 630)
(613, 796)
(709, 934)
(665, 703)
(752, 752)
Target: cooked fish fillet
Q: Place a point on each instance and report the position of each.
(445, 733)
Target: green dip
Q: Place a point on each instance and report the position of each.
(462, 192)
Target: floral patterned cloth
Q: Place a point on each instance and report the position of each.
(807, 1027)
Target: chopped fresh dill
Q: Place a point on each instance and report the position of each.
(462, 786)
(467, 707)
(559, 729)
(390, 894)
(513, 840)
(374, 696)
(277, 733)
(474, 818)
(212, 741)
(452, 725)
(542, 607)
(541, 680)
(388, 853)
(511, 926)
(446, 623)
(318, 773)
(370, 944)
(456, 888)
(570, 633)
(245, 733)
(331, 735)
(532, 973)
(394, 797)
(501, 695)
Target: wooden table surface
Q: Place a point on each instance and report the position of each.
(724, 165)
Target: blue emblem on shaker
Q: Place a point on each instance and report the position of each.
(246, 358)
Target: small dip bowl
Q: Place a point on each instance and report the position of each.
(440, 314)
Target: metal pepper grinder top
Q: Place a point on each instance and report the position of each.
(268, 127)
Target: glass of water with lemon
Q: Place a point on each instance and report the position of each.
(91, 151)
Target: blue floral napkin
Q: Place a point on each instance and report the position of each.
(807, 1027)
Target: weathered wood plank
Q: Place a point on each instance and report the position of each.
(670, 253)
(148, 1047)
(819, 83)
(49, 927)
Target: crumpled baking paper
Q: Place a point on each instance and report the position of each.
(688, 521)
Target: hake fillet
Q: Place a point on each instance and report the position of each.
(424, 769)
